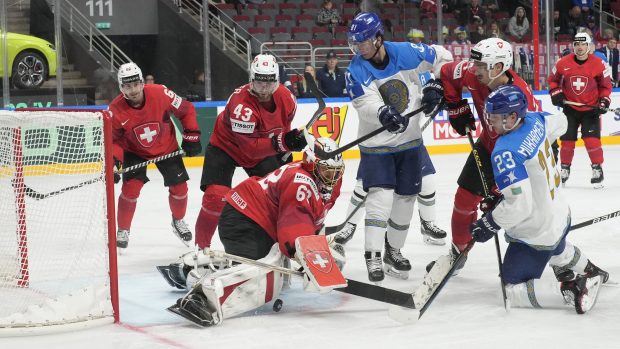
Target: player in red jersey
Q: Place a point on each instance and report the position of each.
(253, 132)
(143, 130)
(265, 219)
(581, 78)
(488, 68)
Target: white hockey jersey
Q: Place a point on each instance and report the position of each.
(398, 84)
(533, 211)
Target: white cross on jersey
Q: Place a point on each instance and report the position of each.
(578, 84)
(148, 134)
(319, 260)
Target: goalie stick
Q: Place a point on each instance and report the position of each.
(39, 196)
(336, 228)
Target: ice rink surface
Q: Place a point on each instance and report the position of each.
(468, 313)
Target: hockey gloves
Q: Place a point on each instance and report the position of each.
(117, 166)
(557, 97)
(432, 97)
(191, 142)
(293, 140)
(603, 104)
(461, 116)
(484, 229)
(392, 120)
(489, 202)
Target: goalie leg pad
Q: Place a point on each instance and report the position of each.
(321, 273)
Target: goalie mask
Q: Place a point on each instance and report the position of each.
(487, 53)
(264, 76)
(128, 74)
(327, 173)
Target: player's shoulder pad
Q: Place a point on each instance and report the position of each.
(409, 55)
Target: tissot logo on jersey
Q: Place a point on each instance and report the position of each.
(242, 126)
(147, 133)
(302, 178)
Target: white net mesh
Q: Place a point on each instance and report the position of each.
(54, 265)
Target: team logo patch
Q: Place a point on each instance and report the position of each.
(147, 133)
(578, 83)
(319, 260)
(396, 94)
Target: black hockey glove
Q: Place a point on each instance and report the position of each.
(191, 142)
(603, 105)
(484, 229)
(392, 120)
(117, 166)
(432, 97)
(557, 97)
(292, 140)
(461, 116)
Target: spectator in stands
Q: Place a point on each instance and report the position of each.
(591, 24)
(331, 78)
(605, 36)
(494, 31)
(471, 12)
(559, 23)
(519, 25)
(461, 36)
(613, 58)
(284, 79)
(415, 36)
(583, 5)
(328, 16)
(302, 85)
(196, 91)
(574, 21)
(478, 35)
(149, 79)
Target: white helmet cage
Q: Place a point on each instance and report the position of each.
(129, 72)
(264, 68)
(492, 51)
(328, 172)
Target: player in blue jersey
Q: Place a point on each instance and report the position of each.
(533, 213)
(385, 81)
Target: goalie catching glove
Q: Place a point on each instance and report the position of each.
(191, 142)
(319, 260)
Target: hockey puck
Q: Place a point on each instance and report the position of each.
(277, 305)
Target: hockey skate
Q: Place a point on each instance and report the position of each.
(597, 176)
(565, 173)
(194, 307)
(181, 230)
(581, 292)
(432, 234)
(395, 264)
(345, 234)
(454, 253)
(374, 266)
(122, 238)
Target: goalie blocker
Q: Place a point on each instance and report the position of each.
(231, 291)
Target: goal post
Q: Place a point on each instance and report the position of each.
(57, 221)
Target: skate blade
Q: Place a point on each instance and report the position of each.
(428, 240)
(399, 274)
(406, 316)
(598, 186)
(188, 316)
(164, 270)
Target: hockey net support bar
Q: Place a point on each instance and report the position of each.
(57, 253)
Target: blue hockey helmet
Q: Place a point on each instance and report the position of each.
(507, 99)
(365, 26)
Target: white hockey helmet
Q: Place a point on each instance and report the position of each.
(583, 37)
(492, 51)
(326, 172)
(129, 72)
(264, 74)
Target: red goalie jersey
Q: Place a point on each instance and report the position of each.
(583, 83)
(245, 127)
(286, 203)
(457, 75)
(148, 131)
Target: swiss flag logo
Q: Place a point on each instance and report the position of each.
(147, 134)
(319, 260)
(578, 83)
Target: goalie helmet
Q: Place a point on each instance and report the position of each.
(492, 51)
(327, 173)
(264, 75)
(129, 72)
(504, 101)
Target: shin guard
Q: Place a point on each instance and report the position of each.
(465, 212)
(594, 148)
(127, 202)
(213, 201)
(567, 151)
(177, 199)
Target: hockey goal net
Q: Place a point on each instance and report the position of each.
(57, 239)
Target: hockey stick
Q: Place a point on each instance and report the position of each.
(336, 228)
(487, 193)
(578, 104)
(330, 154)
(356, 288)
(39, 196)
